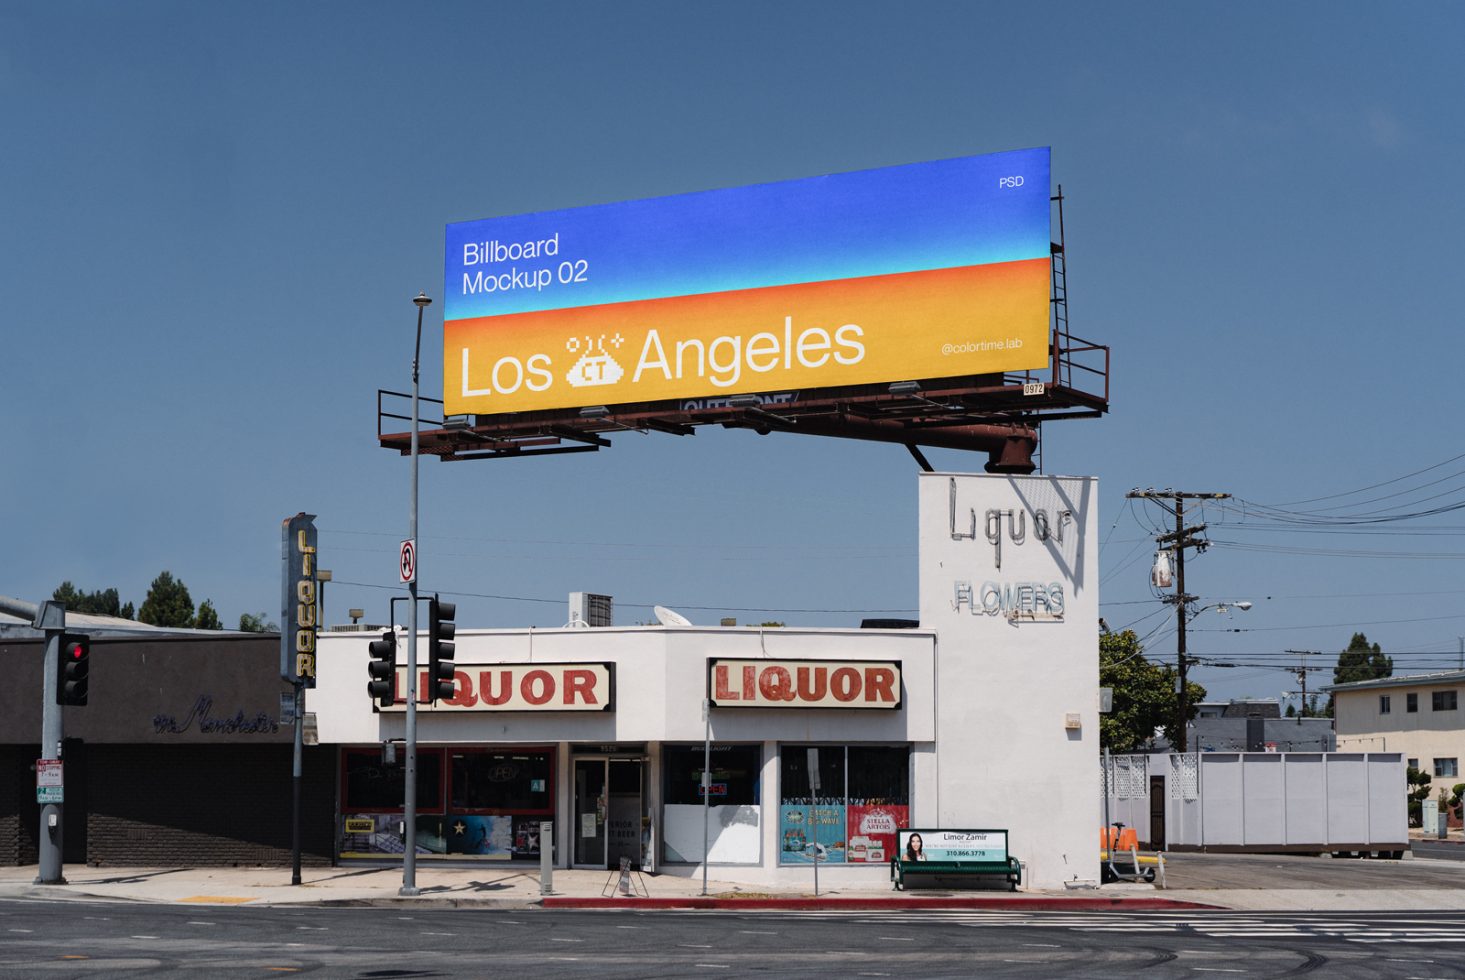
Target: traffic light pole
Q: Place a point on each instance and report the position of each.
(51, 617)
(409, 805)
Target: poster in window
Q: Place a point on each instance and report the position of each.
(490, 837)
(526, 837)
(872, 830)
(798, 841)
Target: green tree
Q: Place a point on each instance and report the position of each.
(1418, 792)
(249, 623)
(1144, 694)
(208, 617)
(104, 602)
(168, 603)
(1361, 661)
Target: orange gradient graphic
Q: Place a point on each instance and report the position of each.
(907, 326)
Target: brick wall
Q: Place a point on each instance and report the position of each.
(206, 805)
(172, 805)
(19, 815)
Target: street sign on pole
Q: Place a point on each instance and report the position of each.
(407, 563)
(50, 781)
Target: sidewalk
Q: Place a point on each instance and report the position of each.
(1250, 882)
(495, 888)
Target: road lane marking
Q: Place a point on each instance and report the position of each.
(897, 939)
(753, 932)
(557, 939)
(713, 966)
(1044, 945)
(695, 945)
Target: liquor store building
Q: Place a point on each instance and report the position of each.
(823, 742)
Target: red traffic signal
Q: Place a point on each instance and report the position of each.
(73, 668)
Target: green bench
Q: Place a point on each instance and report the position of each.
(953, 853)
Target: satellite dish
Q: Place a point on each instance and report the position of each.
(670, 617)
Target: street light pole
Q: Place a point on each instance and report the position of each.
(409, 805)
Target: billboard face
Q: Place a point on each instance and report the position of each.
(921, 271)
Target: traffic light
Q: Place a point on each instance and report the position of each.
(383, 669)
(72, 668)
(440, 672)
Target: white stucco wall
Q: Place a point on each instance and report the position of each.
(1003, 757)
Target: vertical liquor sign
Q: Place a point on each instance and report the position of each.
(299, 600)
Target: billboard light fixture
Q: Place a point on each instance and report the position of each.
(905, 388)
(745, 401)
(594, 412)
(458, 423)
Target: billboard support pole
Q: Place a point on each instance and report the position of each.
(409, 804)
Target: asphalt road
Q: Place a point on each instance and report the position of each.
(64, 939)
(1190, 870)
(1438, 849)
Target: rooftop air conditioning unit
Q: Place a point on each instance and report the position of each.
(588, 609)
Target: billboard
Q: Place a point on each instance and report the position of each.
(927, 270)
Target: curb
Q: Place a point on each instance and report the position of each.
(882, 904)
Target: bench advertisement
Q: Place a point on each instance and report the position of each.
(953, 845)
(927, 270)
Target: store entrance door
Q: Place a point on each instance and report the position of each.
(607, 812)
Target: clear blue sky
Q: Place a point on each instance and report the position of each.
(215, 217)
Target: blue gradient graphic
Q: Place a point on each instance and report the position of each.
(937, 215)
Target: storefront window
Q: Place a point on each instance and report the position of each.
(733, 814)
(370, 785)
(495, 800)
(520, 781)
(735, 772)
(861, 800)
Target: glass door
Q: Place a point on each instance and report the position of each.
(623, 819)
(590, 813)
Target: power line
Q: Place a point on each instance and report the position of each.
(633, 605)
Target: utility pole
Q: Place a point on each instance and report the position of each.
(1183, 537)
(1301, 672)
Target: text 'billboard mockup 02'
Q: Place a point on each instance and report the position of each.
(929, 270)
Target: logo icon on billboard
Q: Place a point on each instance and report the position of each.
(595, 366)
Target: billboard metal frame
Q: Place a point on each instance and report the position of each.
(1000, 414)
